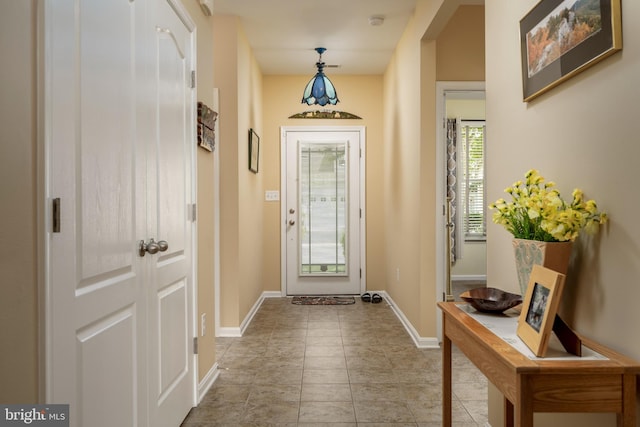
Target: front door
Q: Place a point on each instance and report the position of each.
(118, 128)
(322, 211)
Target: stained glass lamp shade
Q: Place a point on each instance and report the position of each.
(320, 90)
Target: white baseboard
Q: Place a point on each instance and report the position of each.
(469, 277)
(207, 382)
(236, 332)
(229, 332)
(272, 294)
(420, 342)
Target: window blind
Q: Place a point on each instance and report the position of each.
(472, 189)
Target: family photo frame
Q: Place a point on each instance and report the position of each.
(539, 308)
(561, 38)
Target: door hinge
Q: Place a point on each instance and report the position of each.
(195, 345)
(55, 212)
(193, 212)
(360, 212)
(361, 273)
(193, 79)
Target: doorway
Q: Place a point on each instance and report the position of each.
(323, 210)
(452, 100)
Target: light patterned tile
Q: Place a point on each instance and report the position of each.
(383, 411)
(326, 393)
(325, 376)
(274, 412)
(325, 362)
(327, 412)
(274, 392)
(334, 366)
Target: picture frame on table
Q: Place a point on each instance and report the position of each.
(561, 38)
(539, 308)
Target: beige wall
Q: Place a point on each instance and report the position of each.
(225, 37)
(239, 80)
(460, 51)
(581, 134)
(250, 185)
(359, 95)
(18, 178)
(410, 150)
(401, 176)
(205, 214)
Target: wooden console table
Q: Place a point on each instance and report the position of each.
(539, 385)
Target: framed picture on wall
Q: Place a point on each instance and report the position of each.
(560, 38)
(254, 151)
(539, 308)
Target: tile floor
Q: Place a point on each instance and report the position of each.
(339, 366)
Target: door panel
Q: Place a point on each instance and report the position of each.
(323, 212)
(118, 115)
(95, 320)
(170, 190)
(93, 371)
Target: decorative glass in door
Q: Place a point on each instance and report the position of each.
(323, 209)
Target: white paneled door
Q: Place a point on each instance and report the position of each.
(323, 210)
(118, 119)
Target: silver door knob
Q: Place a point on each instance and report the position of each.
(163, 245)
(292, 211)
(291, 222)
(152, 247)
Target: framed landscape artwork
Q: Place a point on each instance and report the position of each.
(539, 308)
(560, 38)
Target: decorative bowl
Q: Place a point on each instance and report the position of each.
(491, 300)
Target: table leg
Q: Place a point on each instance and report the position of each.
(628, 416)
(446, 381)
(508, 413)
(523, 404)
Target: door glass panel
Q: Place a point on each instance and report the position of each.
(323, 209)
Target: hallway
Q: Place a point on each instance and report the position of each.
(334, 365)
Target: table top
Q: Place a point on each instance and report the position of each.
(611, 362)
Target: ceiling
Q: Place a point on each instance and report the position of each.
(284, 33)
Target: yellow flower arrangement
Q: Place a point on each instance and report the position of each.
(537, 212)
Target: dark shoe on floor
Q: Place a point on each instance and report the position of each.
(376, 299)
(366, 297)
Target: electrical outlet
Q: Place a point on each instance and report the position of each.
(203, 324)
(272, 195)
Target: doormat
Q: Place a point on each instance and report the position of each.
(323, 300)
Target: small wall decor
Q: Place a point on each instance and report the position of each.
(560, 38)
(254, 151)
(206, 127)
(539, 308)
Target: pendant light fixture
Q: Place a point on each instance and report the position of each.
(320, 90)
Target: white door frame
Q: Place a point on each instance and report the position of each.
(441, 194)
(283, 197)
